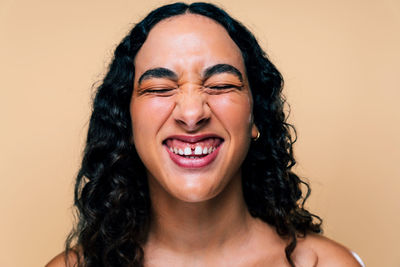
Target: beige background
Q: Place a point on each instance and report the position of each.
(340, 60)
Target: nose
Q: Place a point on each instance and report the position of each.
(191, 110)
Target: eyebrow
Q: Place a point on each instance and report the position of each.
(158, 73)
(222, 68)
(210, 71)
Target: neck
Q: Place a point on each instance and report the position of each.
(209, 225)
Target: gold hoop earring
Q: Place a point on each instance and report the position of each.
(258, 136)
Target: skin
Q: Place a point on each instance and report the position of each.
(199, 215)
(191, 107)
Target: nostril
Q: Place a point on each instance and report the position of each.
(180, 122)
(202, 121)
(192, 125)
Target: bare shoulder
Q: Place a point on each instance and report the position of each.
(60, 260)
(328, 252)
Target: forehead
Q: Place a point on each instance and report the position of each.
(188, 40)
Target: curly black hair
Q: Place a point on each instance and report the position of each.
(111, 191)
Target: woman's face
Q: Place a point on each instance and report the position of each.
(191, 108)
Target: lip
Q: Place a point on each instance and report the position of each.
(193, 138)
(195, 163)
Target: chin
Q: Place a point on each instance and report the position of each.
(194, 198)
(195, 193)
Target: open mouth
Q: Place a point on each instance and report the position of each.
(193, 151)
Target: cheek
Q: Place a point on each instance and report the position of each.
(148, 115)
(233, 111)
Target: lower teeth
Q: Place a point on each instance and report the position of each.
(193, 157)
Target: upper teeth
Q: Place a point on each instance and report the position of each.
(187, 151)
(198, 150)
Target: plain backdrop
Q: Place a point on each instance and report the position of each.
(340, 60)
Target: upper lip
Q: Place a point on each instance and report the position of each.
(193, 138)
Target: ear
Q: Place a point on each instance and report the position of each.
(254, 131)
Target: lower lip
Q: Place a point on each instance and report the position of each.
(193, 163)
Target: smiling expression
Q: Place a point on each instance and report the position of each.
(191, 108)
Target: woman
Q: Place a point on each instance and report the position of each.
(188, 155)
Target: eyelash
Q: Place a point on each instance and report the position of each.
(161, 91)
(158, 90)
(223, 87)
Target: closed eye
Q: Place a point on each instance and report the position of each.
(222, 87)
(158, 91)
